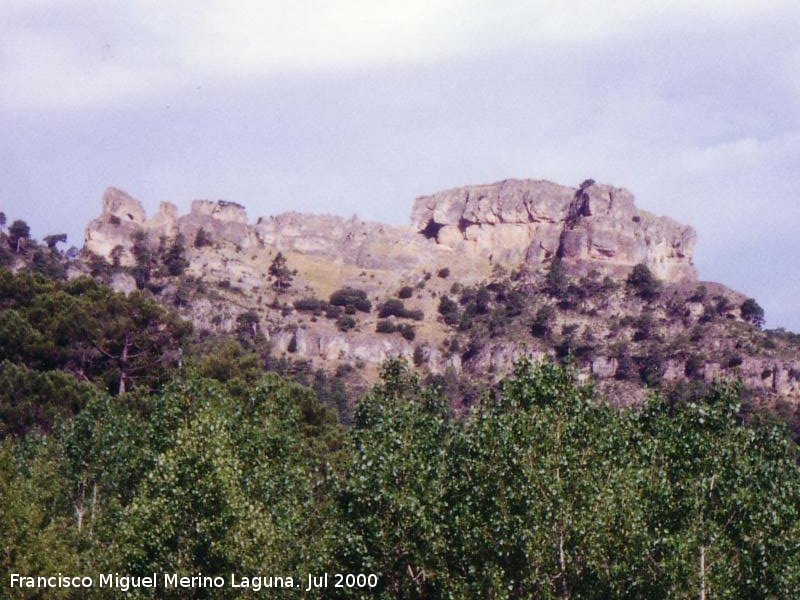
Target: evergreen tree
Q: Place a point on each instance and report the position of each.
(280, 272)
(18, 231)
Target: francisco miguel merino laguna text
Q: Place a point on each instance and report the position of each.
(125, 583)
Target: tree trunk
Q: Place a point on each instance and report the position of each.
(79, 507)
(562, 555)
(123, 365)
(93, 511)
(702, 573)
(562, 560)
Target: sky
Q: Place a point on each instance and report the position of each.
(360, 106)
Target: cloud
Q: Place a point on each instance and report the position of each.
(74, 54)
(360, 106)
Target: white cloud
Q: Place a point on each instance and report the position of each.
(68, 54)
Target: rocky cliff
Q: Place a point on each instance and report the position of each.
(510, 223)
(475, 278)
(591, 227)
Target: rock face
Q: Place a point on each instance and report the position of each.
(591, 227)
(513, 222)
(124, 216)
(497, 240)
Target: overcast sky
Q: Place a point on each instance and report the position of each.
(360, 106)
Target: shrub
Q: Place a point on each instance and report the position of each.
(407, 331)
(723, 304)
(363, 305)
(292, 347)
(643, 283)
(345, 323)
(449, 310)
(391, 308)
(419, 356)
(557, 281)
(652, 366)
(482, 299)
(694, 366)
(752, 312)
(385, 326)
(734, 361)
(609, 285)
(543, 321)
(202, 238)
(515, 303)
(625, 367)
(474, 347)
(395, 308)
(351, 297)
(645, 327)
(405, 292)
(309, 305)
(444, 273)
(175, 259)
(699, 295)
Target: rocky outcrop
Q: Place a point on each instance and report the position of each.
(508, 223)
(123, 216)
(457, 241)
(591, 227)
(348, 241)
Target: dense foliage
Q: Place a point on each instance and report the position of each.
(542, 491)
(129, 444)
(55, 335)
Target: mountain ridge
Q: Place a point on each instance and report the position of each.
(563, 256)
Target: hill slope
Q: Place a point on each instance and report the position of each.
(486, 274)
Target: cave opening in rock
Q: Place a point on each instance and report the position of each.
(431, 230)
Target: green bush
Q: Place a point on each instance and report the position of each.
(385, 326)
(407, 331)
(391, 308)
(419, 356)
(557, 280)
(202, 238)
(449, 310)
(395, 308)
(405, 292)
(643, 283)
(333, 312)
(542, 325)
(314, 305)
(351, 297)
(752, 312)
(345, 323)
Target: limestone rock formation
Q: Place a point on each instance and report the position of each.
(123, 216)
(510, 223)
(591, 227)
(497, 240)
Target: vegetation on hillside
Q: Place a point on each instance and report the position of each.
(130, 442)
(543, 491)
